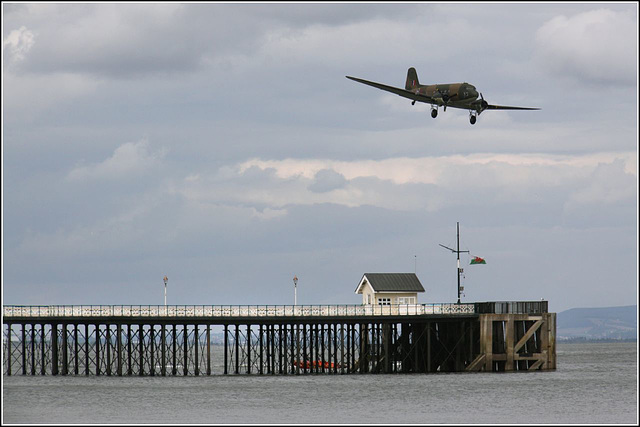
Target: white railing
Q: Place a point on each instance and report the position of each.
(234, 310)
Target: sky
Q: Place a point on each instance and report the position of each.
(222, 146)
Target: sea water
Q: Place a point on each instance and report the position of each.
(593, 383)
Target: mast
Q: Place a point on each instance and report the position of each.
(458, 252)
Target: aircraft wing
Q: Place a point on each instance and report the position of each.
(401, 92)
(505, 107)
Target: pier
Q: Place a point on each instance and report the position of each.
(278, 340)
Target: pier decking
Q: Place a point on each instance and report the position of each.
(177, 340)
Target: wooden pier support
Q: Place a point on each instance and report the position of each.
(511, 342)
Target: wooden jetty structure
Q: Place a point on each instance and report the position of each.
(278, 340)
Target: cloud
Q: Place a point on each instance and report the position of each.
(132, 158)
(419, 184)
(609, 183)
(433, 169)
(114, 40)
(17, 44)
(378, 37)
(598, 46)
(126, 41)
(327, 180)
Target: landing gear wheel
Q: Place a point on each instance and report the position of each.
(434, 113)
(472, 120)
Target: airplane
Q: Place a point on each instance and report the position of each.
(456, 95)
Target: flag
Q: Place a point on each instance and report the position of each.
(477, 260)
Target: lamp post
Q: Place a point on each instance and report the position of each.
(295, 290)
(165, 290)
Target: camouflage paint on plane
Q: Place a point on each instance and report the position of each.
(456, 95)
(459, 93)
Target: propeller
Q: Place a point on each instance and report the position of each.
(444, 96)
(483, 104)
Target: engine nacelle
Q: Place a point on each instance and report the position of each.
(480, 105)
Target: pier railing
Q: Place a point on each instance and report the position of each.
(235, 310)
(512, 307)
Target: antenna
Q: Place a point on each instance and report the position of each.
(458, 252)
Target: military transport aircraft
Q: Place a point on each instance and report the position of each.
(456, 95)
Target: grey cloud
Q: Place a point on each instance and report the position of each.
(598, 47)
(128, 40)
(609, 183)
(17, 45)
(327, 180)
(296, 15)
(133, 40)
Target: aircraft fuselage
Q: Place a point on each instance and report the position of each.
(460, 95)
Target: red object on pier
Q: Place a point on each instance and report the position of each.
(315, 364)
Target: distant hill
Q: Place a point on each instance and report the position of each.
(598, 323)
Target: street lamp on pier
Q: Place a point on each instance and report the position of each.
(165, 290)
(295, 290)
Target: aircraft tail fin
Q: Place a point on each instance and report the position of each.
(412, 79)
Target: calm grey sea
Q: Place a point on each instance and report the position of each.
(594, 383)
